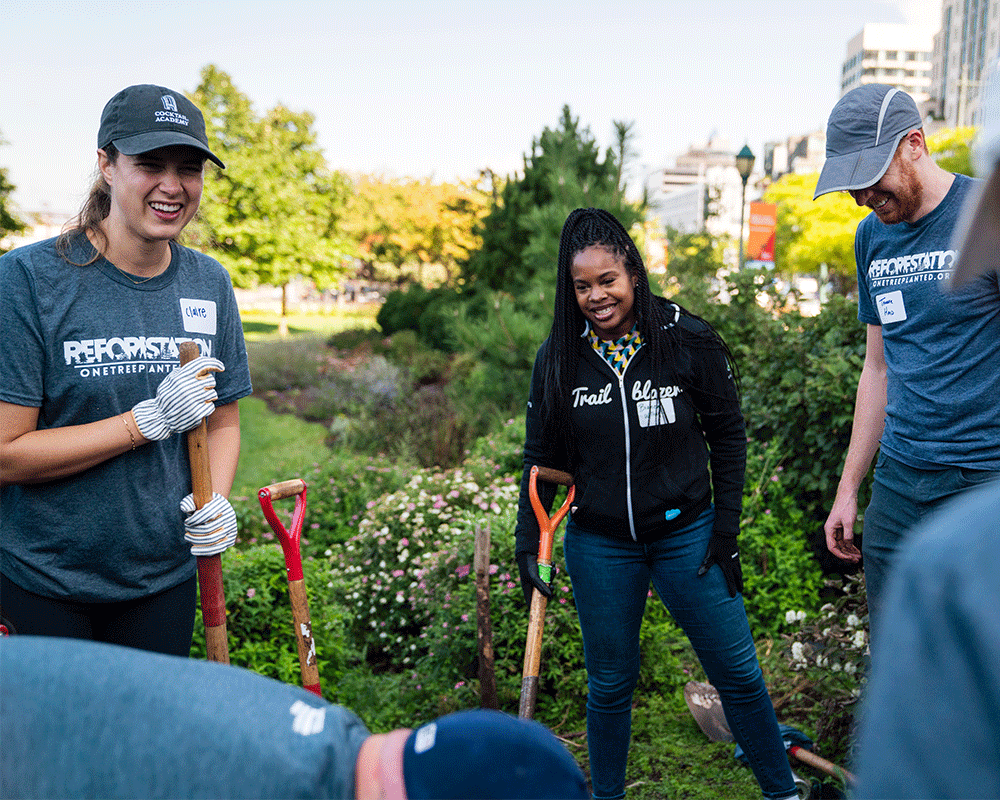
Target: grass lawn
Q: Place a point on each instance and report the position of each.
(275, 447)
(264, 324)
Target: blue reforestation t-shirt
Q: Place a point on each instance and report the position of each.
(942, 348)
(84, 343)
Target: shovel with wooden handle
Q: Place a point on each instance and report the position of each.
(213, 600)
(706, 707)
(293, 567)
(536, 618)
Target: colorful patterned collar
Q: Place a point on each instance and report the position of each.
(617, 353)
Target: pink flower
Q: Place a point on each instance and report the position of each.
(460, 684)
(463, 571)
(465, 617)
(405, 542)
(251, 593)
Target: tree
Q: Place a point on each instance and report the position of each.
(811, 233)
(693, 260)
(952, 149)
(414, 222)
(9, 221)
(563, 171)
(275, 213)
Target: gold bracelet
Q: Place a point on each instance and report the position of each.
(130, 436)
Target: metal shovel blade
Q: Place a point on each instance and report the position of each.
(703, 701)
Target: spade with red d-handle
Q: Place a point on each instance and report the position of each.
(536, 618)
(293, 566)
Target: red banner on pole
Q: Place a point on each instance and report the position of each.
(760, 242)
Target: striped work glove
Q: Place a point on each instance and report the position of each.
(210, 529)
(183, 399)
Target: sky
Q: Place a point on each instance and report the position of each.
(436, 89)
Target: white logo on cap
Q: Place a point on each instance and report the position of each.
(169, 103)
(425, 737)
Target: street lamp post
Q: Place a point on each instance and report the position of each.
(744, 166)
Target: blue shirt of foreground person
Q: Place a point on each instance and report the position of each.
(84, 719)
(931, 719)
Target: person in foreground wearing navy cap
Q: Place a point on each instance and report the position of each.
(926, 399)
(94, 478)
(85, 719)
(930, 721)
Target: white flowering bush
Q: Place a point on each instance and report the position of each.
(408, 568)
(408, 581)
(827, 660)
(835, 639)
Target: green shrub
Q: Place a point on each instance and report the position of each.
(779, 569)
(502, 450)
(411, 585)
(282, 364)
(259, 616)
(799, 378)
(338, 495)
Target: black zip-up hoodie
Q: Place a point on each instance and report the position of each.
(631, 482)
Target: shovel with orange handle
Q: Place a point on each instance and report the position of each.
(536, 618)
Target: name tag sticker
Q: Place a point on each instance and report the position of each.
(890, 307)
(198, 315)
(656, 412)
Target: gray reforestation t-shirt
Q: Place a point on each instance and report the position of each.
(942, 348)
(84, 343)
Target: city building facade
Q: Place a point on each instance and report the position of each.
(965, 48)
(898, 55)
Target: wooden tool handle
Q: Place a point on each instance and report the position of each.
(279, 491)
(532, 655)
(555, 476)
(213, 601)
(303, 636)
(820, 763)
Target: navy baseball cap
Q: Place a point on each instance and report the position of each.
(146, 117)
(480, 755)
(862, 133)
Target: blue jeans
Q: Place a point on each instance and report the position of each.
(611, 580)
(901, 497)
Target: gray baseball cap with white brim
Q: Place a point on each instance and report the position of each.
(862, 133)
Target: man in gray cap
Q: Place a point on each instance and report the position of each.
(931, 715)
(926, 398)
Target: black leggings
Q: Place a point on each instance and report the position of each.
(161, 623)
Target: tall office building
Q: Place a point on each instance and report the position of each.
(964, 49)
(899, 55)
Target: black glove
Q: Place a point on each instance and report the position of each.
(723, 550)
(527, 567)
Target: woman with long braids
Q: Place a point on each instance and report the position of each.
(637, 398)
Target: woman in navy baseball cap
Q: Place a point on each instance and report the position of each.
(96, 482)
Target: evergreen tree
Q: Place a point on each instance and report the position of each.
(563, 171)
